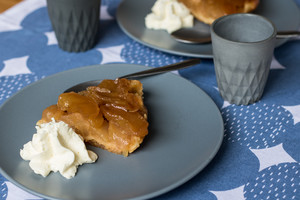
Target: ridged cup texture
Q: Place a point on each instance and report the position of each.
(76, 28)
(241, 83)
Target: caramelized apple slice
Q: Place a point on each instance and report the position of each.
(75, 103)
(131, 122)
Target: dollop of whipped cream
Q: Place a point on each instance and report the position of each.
(56, 147)
(169, 15)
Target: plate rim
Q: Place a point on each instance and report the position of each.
(148, 195)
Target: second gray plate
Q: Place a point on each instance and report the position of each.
(131, 16)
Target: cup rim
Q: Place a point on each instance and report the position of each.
(273, 35)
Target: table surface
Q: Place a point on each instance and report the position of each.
(260, 154)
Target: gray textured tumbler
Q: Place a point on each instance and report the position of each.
(75, 23)
(243, 46)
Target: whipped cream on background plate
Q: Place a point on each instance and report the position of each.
(169, 15)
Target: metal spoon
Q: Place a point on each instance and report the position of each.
(193, 36)
(158, 70)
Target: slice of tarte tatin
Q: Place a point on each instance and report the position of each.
(111, 115)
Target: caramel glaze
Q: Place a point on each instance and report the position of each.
(111, 115)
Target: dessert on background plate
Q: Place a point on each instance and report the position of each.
(208, 11)
(172, 15)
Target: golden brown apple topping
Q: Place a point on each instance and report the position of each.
(111, 115)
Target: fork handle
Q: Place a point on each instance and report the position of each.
(163, 69)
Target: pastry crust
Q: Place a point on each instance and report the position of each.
(208, 11)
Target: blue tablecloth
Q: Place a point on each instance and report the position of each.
(260, 154)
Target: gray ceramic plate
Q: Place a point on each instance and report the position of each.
(186, 131)
(131, 13)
